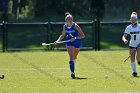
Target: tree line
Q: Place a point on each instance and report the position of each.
(46, 8)
(50, 8)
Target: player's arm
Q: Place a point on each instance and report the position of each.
(124, 38)
(61, 36)
(82, 35)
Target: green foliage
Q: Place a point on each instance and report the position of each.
(120, 10)
(59, 7)
(50, 9)
(111, 36)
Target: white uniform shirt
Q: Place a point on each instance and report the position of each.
(134, 33)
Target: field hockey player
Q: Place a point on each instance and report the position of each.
(134, 31)
(73, 33)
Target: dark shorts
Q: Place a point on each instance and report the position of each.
(77, 43)
(130, 47)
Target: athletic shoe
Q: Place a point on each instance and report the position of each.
(72, 76)
(134, 74)
(138, 63)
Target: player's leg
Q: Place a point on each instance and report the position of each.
(133, 64)
(77, 44)
(138, 56)
(70, 50)
(76, 51)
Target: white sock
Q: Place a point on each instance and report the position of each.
(133, 65)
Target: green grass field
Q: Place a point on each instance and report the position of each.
(48, 72)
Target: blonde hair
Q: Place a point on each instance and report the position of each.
(67, 13)
(134, 13)
(68, 17)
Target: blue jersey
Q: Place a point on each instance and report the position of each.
(71, 32)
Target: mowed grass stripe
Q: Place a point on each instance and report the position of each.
(91, 68)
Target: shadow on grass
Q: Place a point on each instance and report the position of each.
(80, 78)
(137, 76)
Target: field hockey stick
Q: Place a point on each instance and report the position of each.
(44, 44)
(131, 53)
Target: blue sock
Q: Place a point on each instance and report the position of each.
(71, 63)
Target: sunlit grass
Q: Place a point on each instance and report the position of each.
(48, 72)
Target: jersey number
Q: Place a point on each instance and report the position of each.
(134, 37)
